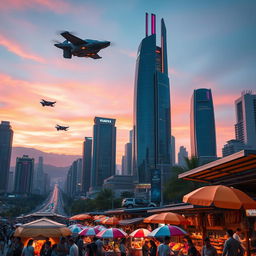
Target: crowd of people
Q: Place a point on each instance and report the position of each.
(75, 246)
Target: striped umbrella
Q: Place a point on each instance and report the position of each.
(99, 227)
(89, 232)
(75, 229)
(141, 232)
(112, 233)
(168, 230)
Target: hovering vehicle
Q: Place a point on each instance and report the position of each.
(61, 128)
(81, 48)
(47, 103)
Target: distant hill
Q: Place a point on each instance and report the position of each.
(51, 159)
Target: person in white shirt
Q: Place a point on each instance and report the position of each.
(237, 235)
(73, 251)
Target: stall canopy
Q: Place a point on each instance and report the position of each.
(221, 197)
(82, 216)
(237, 170)
(42, 228)
(130, 221)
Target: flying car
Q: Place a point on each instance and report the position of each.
(81, 48)
(47, 103)
(61, 128)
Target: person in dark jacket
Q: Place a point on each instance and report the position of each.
(153, 248)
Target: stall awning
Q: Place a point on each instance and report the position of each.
(237, 168)
(130, 221)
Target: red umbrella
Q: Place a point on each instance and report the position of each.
(141, 232)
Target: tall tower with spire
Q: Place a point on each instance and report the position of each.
(152, 120)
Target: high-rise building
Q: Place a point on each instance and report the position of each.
(10, 182)
(87, 163)
(104, 152)
(6, 136)
(173, 151)
(74, 178)
(39, 179)
(128, 159)
(245, 126)
(181, 156)
(231, 147)
(24, 175)
(123, 165)
(202, 126)
(152, 124)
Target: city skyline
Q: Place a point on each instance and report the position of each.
(221, 57)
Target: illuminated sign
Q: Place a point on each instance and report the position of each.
(251, 212)
(156, 185)
(105, 121)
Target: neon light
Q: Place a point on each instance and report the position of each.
(146, 24)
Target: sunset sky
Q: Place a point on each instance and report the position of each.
(211, 44)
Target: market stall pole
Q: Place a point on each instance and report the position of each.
(222, 197)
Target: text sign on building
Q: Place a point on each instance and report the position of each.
(156, 185)
(105, 121)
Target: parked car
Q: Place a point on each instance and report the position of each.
(136, 202)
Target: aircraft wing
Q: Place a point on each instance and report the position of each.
(95, 56)
(73, 39)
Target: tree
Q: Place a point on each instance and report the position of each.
(175, 188)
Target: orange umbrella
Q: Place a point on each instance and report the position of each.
(81, 217)
(167, 218)
(111, 221)
(220, 196)
(96, 217)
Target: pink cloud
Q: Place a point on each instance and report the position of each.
(15, 48)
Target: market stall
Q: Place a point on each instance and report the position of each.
(110, 238)
(40, 230)
(138, 238)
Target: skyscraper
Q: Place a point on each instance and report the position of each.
(173, 151)
(39, 179)
(202, 126)
(245, 126)
(231, 147)
(152, 124)
(87, 163)
(104, 152)
(181, 156)
(24, 175)
(6, 136)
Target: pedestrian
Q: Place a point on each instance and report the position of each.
(92, 248)
(208, 249)
(192, 251)
(80, 245)
(164, 248)
(62, 248)
(73, 250)
(123, 248)
(237, 236)
(99, 244)
(46, 250)
(153, 248)
(145, 248)
(18, 247)
(29, 249)
(54, 250)
(231, 246)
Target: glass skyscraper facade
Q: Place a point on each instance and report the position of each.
(6, 136)
(152, 124)
(202, 126)
(87, 163)
(104, 152)
(24, 173)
